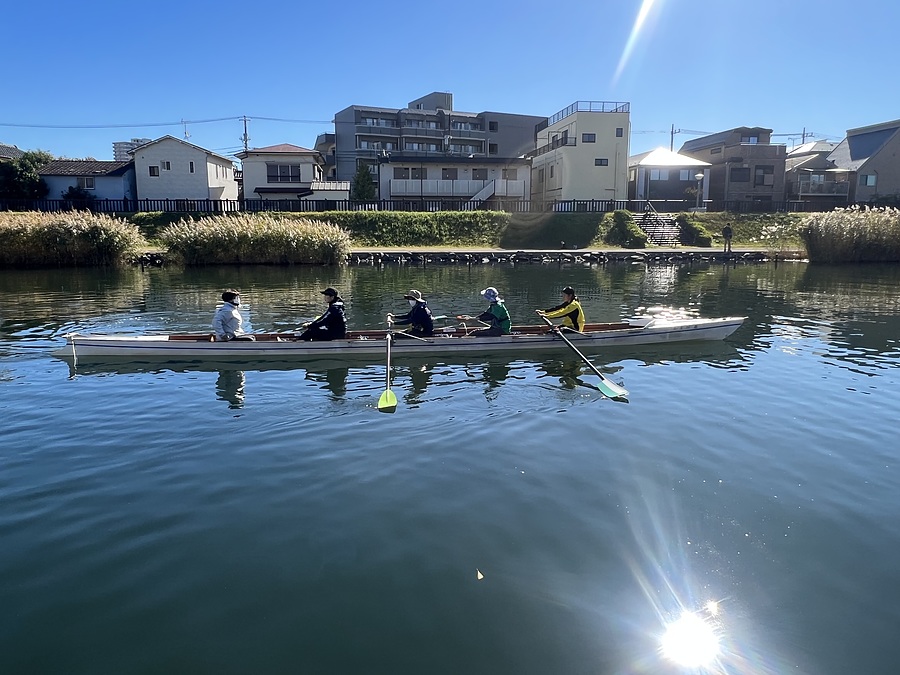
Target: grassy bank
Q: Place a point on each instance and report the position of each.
(853, 235)
(66, 239)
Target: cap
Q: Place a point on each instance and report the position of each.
(490, 293)
(413, 295)
(329, 291)
(569, 290)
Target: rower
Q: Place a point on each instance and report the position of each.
(227, 322)
(570, 310)
(332, 324)
(418, 317)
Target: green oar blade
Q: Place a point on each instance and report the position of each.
(387, 402)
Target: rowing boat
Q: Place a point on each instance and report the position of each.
(640, 330)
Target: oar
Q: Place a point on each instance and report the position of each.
(388, 401)
(607, 386)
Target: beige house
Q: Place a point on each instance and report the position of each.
(871, 152)
(169, 168)
(811, 179)
(582, 153)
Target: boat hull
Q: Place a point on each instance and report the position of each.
(366, 344)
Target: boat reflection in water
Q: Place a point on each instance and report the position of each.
(230, 387)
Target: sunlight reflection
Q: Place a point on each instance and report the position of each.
(643, 13)
(690, 641)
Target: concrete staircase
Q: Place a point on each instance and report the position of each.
(661, 229)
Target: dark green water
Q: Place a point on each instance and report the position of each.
(267, 519)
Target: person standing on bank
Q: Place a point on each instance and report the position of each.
(570, 310)
(227, 322)
(496, 315)
(418, 318)
(332, 324)
(727, 234)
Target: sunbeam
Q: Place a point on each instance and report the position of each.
(643, 12)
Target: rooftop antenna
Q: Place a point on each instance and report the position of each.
(187, 134)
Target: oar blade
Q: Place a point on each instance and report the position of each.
(612, 390)
(387, 402)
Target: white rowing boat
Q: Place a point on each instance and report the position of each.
(642, 330)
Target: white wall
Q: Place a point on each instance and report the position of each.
(178, 182)
(256, 174)
(105, 187)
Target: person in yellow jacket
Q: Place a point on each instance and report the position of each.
(570, 310)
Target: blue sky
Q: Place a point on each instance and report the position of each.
(702, 65)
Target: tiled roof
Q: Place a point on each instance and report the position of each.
(78, 167)
(281, 147)
(9, 152)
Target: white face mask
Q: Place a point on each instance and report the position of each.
(412, 303)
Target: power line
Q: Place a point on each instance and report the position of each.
(157, 124)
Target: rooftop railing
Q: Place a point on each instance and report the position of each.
(586, 106)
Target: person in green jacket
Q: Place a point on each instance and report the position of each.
(496, 315)
(570, 311)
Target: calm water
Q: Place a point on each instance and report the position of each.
(506, 519)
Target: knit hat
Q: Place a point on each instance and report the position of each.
(490, 294)
(413, 295)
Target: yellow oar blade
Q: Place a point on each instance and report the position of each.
(387, 402)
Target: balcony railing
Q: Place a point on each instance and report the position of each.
(828, 187)
(553, 145)
(585, 106)
(453, 188)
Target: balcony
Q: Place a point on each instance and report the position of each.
(373, 130)
(454, 188)
(553, 145)
(829, 187)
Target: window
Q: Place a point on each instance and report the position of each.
(378, 122)
(465, 126)
(423, 147)
(540, 175)
(752, 140)
(493, 126)
(401, 174)
(191, 167)
(739, 174)
(620, 132)
(449, 174)
(419, 174)
(510, 174)
(659, 174)
(715, 151)
(154, 170)
(166, 165)
(601, 161)
(493, 149)
(764, 175)
(588, 138)
(867, 180)
(479, 174)
(283, 173)
(685, 174)
(551, 171)
(86, 182)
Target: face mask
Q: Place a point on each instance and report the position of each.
(412, 303)
(236, 302)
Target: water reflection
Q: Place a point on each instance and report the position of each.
(230, 387)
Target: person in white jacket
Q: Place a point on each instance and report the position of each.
(227, 321)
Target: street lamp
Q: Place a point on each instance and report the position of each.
(699, 178)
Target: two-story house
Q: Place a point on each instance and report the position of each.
(871, 152)
(169, 168)
(746, 168)
(812, 181)
(102, 180)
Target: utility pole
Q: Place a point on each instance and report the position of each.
(245, 139)
(672, 139)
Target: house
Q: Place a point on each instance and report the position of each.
(169, 168)
(102, 180)
(581, 153)
(428, 128)
(327, 147)
(746, 168)
(9, 152)
(813, 180)
(663, 175)
(871, 152)
(288, 172)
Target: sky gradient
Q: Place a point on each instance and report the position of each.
(700, 65)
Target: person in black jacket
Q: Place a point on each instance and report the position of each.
(332, 325)
(418, 317)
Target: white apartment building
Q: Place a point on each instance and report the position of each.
(582, 153)
(122, 149)
(169, 168)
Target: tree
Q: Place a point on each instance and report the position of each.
(78, 198)
(363, 187)
(19, 178)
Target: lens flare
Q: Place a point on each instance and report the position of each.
(643, 12)
(690, 642)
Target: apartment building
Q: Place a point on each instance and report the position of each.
(122, 149)
(581, 153)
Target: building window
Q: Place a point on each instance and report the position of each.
(86, 182)
(166, 166)
(154, 170)
(493, 126)
(422, 147)
(685, 174)
(493, 149)
(191, 167)
(752, 140)
(715, 151)
(378, 122)
(588, 138)
(659, 174)
(867, 180)
(540, 175)
(509, 174)
(601, 161)
(551, 171)
(401, 174)
(620, 132)
(283, 173)
(479, 174)
(739, 174)
(465, 126)
(764, 175)
(449, 174)
(419, 174)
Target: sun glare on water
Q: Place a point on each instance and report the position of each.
(690, 642)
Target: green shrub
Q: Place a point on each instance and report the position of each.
(550, 230)
(70, 238)
(625, 232)
(853, 235)
(691, 233)
(256, 238)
